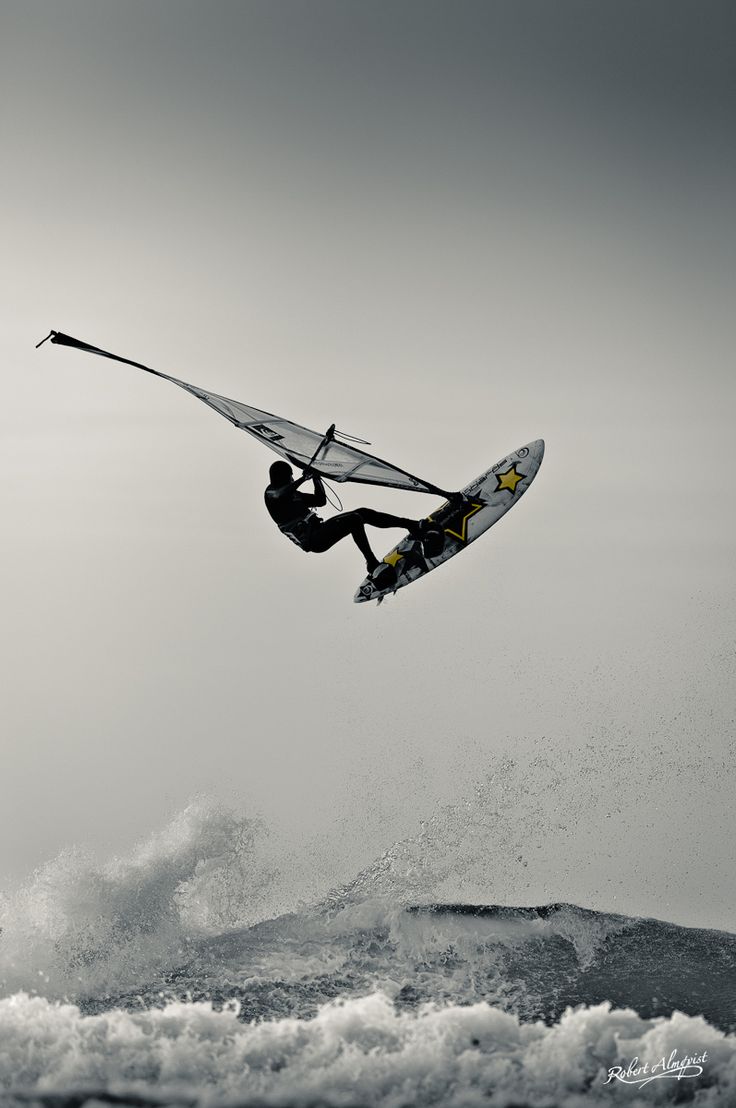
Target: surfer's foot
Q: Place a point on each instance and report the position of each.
(417, 527)
(372, 564)
(433, 540)
(383, 576)
(420, 528)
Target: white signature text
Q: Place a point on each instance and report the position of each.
(641, 1073)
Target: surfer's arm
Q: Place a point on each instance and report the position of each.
(314, 499)
(318, 498)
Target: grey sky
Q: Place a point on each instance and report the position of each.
(451, 229)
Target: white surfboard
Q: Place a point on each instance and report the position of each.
(484, 501)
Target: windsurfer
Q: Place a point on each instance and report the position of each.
(292, 511)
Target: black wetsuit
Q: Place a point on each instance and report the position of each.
(292, 512)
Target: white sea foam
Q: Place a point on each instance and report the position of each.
(357, 1052)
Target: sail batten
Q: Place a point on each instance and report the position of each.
(301, 446)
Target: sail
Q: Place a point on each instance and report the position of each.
(321, 452)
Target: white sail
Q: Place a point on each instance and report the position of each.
(321, 452)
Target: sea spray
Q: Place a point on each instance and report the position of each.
(78, 926)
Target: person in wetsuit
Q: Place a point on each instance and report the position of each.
(292, 512)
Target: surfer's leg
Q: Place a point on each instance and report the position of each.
(428, 533)
(383, 519)
(339, 527)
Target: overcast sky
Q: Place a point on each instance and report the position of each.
(449, 228)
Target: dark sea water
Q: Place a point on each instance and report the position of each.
(118, 989)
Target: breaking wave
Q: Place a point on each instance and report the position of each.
(78, 926)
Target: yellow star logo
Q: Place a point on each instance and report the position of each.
(509, 480)
(457, 525)
(393, 558)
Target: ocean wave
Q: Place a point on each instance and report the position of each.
(167, 977)
(531, 962)
(158, 926)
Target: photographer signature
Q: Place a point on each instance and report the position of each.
(674, 1066)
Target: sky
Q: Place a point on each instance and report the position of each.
(449, 228)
